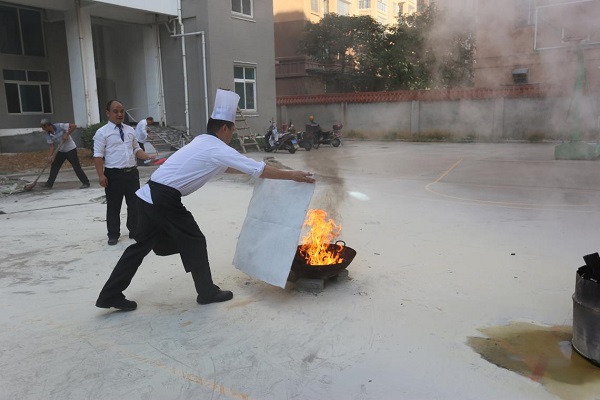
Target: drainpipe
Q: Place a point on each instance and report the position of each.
(82, 56)
(204, 71)
(205, 76)
(185, 77)
(163, 111)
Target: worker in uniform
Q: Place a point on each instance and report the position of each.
(166, 226)
(58, 136)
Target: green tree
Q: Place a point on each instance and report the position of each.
(421, 51)
(340, 43)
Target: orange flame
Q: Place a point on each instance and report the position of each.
(316, 244)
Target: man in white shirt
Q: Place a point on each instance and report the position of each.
(166, 226)
(142, 131)
(115, 152)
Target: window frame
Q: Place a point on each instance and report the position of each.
(346, 5)
(524, 13)
(24, 33)
(364, 4)
(312, 4)
(242, 13)
(245, 81)
(28, 83)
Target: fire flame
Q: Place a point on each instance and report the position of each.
(316, 243)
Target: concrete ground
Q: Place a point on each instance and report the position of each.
(461, 287)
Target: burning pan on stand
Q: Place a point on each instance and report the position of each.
(304, 270)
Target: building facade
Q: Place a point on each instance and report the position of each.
(290, 18)
(538, 42)
(64, 60)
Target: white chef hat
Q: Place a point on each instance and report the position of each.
(226, 103)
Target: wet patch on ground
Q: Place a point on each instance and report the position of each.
(542, 354)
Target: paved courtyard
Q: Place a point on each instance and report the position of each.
(461, 287)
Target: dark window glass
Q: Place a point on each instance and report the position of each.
(10, 38)
(250, 96)
(239, 89)
(249, 73)
(31, 28)
(12, 98)
(38, 76)
(247, 7)
(14, 75)
(238, 72)
(31, 99)
(46, 99)
(236, 6)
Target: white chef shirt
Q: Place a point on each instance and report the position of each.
(56, 137)
(140, 131)
(117, 153)
(192, 166)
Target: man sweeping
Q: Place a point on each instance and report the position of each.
(162, 218)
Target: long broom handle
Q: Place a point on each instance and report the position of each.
(54, 153)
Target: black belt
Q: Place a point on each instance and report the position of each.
(123, 169)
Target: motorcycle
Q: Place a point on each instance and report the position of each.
(332, 137)
(284, 141)
(305, 140)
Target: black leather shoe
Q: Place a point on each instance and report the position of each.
(219, 296)
(112, 241)
(84, 186)
(121, 304)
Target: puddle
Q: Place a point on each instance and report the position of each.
(542, 354)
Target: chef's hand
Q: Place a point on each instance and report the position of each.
(302, 176)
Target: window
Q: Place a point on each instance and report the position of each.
(343, 7)
(363, 4)
(27, 91)
(314, 6)
(242, 7)
(520, 76)
(398, 9)
(245, 85)
(21, 31)
(382, 5)
(524, 12)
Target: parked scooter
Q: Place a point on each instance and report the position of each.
(332, 137)
(280, 141)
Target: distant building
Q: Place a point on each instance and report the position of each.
(64, 59)
(290, 18)
(535, 42)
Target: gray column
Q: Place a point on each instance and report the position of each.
(81, 66)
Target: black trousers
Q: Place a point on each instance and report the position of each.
(59, 160)
(122, 183)
(167, 220)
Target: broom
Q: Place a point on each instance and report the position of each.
(30, 186)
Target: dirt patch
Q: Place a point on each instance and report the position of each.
(11, 163)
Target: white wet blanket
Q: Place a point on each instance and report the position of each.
(272, 228)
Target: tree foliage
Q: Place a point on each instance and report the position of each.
(418, 52)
